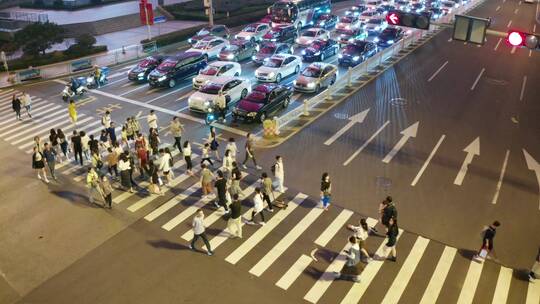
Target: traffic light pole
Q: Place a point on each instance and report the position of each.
(488, 31)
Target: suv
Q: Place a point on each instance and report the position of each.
(217, 30)
(176, 68)
(281, 33)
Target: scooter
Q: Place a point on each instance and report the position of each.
(210, 116)
(67, 93)
(91, 79)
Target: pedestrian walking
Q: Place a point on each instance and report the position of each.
(130, 132)
(97, 162)
(106, 120)
(227, 164)
(258, 207)
(488, 236)
(104, 140)
(93, 144)
(131, 160)
(153, 140)
(106, 191)
(85, 140)
(111, 131)
(279, 174)
(112, 162)
(27, 103)
(125, 167)
(187, 157)
(221, 104)
(221, 187)
(361, 232)
(72, 110)
(236, 176)
(38, 164)
(62, 140)
(205, 155)
(214, 144)
(152, 120)
(388, 211)
(206, 180)
(177, 129)
(165, 165)
(124, 138)
(154, 177)
(16, 106)
(38, 143)
(53, 139)
(352, 268)
(198, 232)
(142, 156)
(535, 269)
(326, 190)
(392, 235)
(49, 155)
(135, 125)
(231, 146)
(250, 154)
(140, 141)
(92, 183)
(267, 191)
(234, 224)
(77, 146)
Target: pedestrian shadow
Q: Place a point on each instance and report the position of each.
(75, 198)
(313, 272)
(165, 244)
(521, 274)
(467, 253)
(327, 255)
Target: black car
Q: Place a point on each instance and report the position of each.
(348, 36)
(356, 52)
(389, 36)
(263, 101)
(356, 10)
(281, 33)
(141, 71)
(320, 49)
(384, 9)
(418, 7)
(176, 68)
(326, 21)
(217, 30)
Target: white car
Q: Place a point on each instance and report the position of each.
(375, 25)
(365, 16)
(348, 23)
(307, 37)
(253, 32)
(210, 46)
(214, 70)
(316, 76)
(234, 89)
(277, 67)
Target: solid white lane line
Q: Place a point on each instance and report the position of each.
(470, 284)
(523, 88)
(294, 272)
(285, 242)
(498, 8)
(509, 23)
(478, 79)
(366, 143)
(333, 228)
(405, 273)
(133, 90)
(533, 293)
(368, 274)
(513, 50)
(262, 232)
(173, 202)
(516, 11)
(438, 71)
(497, 45)
(439, 276)
(426, 163)
(501, 176)
(503, 286)
(167, 94)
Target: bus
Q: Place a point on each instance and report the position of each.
(300, 13)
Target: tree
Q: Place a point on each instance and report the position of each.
(85, 41)
(36, 38)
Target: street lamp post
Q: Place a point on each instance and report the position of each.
(208, 5)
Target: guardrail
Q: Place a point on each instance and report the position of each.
(367, 66)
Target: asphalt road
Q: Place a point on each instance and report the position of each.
(60, 249)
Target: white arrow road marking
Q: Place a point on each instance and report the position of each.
(533, 165)
(357, 118)
(472, 149)
(407, 133)
(365, 144)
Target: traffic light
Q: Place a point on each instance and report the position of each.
(414, 20)
(522, 39)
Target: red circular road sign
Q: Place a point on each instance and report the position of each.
(392, 18)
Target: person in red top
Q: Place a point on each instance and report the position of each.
(142, 156)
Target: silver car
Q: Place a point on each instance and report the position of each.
(315, 76)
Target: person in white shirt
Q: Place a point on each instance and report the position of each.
(125, 167)
(227, 164)
(198, 232)
(361, 233)
(26, 102)
(106, 120)
(279, 174)
(85, 139)
(221, 103)
(187, 157)
(231, 146)
(152, 121)
(164, 164)
(258, 207)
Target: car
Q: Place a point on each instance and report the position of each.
(216, 69)
(347, 36)
(326, 21)
(281, 33)
(263, 101)
(389, 36)
(277, 67)
(233, 88)
(217, 30)
(356, 10)
(448, 6)
(356, 52)
(270, 49)
(315, 76)
(310, 35)
(375, 25)
(238, 50)
(374, 3)
(436, 13)
(266, 19)
(365, 16)
(348, 23)
(141, 71)
(418, 7)
(209, 46)
(384, 9)
(402, 5)
(253, 32)
(320, 49)
(176, 68)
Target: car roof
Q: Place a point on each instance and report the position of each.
(184, 55)
(282, 56)
(211, 38)
(220, 63)
(221, 80)
(266, 87)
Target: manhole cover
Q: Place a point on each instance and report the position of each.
(494, 81)
(383, 182)
(398, 101)
(341, 116)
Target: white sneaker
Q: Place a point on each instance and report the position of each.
(262, 223)
(46, 180)
(250, 222)
(258, 167)
(244, 166)
(270, 210)
(39, 177)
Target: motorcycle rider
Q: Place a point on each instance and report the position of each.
(74, 85)
(221, 105)
(97, 75)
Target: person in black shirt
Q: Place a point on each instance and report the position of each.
(389, 211)
(16, 106)
(221, 186)
(234, 223)
(392, 235)
(487, 240)
(93, 144)
(77, 146)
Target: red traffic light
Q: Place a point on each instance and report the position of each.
(515, 38)
(392, 18)
(521, 39)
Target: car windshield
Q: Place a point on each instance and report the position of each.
(357, 47)
(250, 29)
(375, 21)
(311, 71)
(324, 17)
(317, 45)
(231, 48)
(310, 34)
(146, 62)
(203, 31)
(389, 32)
(346, 20)
(273, 62)
(210, 71)
(166, 65)
(211, 88)
(257, 96)
(267, 50)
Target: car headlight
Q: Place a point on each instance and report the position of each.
(350, 40)
(252, 114)
(271, 74)
(253, 57)
(376, 39)
(190, 40)
(390, 42)
(230, 56)
(322, 24)
(207, 103)
(235, 36)
(141, 74)
(297, 40)
(162, 78)
(317, 53)
(311, 85)
(303, 52)
(340, 56)
(356, 58)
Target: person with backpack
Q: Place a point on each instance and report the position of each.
(279, 173)
(16, 106)
(326, 190)
(38, 164)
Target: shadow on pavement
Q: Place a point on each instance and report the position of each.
(167, 245)
(75, 197)
(521, 274)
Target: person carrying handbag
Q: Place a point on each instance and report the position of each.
(488, 236)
